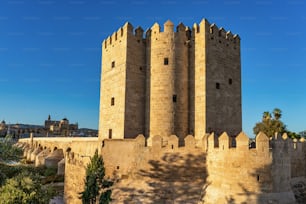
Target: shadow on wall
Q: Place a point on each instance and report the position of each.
(272, 188)
(175, 178)
(263, 180)
(273, 181)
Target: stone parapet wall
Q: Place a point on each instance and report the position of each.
(217, 169)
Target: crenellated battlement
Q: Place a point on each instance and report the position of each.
(266, 166)
(262, 143)
(211, 143)
(126, 30)
(167, 28)
(263, 166)
(212, 31)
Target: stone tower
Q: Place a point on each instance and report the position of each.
(122, 98)
(178, 82)
(167, 80)
(215, 80)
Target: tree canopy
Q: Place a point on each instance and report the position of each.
(20, 183)
(271, 124)
(25, 188)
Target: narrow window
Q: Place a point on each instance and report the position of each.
(230, 81)
(140, 68)
(217, 85)
(110, 133)
(166, 61)
(112, 101)
(113, 64)
(118, 167)
(257, 177)
(174, 98)
(172, 146)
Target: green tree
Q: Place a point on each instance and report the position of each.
(9, 152)
(266, 116)
(25, 188)
(20, 183)
(277, 113)
(270, 125)
(293, 135)
(96, 186)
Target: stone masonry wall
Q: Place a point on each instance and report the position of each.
(198, 80)
(219, 170)
(263, 174)
(113, 88)
(76, 161)
(223, 81)
(162, 79)
(162, 173)
(172, 82)
(167, 54)
(134, 123)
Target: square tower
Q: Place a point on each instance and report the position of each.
(122, 88)
(215, 80)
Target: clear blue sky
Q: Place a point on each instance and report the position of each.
(50, 53)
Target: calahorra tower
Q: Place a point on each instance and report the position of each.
(170, 82)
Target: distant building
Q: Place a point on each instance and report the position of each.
(51, 128)
(62, 127)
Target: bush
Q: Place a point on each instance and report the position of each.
(25, 188)
(9, 152)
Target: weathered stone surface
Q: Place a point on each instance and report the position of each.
(54, 158)
(34, 154)
(189, 174)
(61, 167)
(170, 82)
(40, 158)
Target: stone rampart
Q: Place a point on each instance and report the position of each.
(219, 169)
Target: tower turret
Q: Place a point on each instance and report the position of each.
(167, 80)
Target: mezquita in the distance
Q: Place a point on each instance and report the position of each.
(51, 128)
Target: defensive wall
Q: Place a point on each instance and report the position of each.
(219, 169)
(69, 155)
